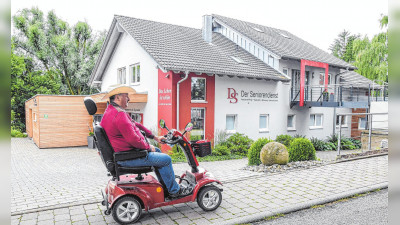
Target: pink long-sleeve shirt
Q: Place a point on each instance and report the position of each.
(123, 132)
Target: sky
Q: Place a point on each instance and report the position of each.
(317, 22)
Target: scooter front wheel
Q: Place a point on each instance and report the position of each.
(209, 198)
(126, 210)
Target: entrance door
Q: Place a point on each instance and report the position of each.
(296, 84)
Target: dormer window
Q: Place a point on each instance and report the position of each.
(258, 29)
(238, 60)
(284, 35)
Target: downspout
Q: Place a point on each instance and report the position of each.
(177, 98)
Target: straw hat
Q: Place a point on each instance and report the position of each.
(118, 89)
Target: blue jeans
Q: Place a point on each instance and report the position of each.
(163, 165)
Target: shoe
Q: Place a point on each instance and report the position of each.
(183, 191)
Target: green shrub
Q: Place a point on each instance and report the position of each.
(299, 136)
(239, 144)
(346, 143)
(356, 143)
(301, 149)
(195, 137)
(255, 149)
(220, 137)
(333, 138)
(220, 150)
(321, 145)
(17, 133)
(284, 139)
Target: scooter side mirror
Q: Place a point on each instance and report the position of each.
(189, 127)
(162, 124)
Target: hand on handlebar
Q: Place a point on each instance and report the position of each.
(160, 139)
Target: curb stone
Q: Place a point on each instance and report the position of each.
(306, 205)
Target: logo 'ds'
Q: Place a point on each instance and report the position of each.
(232, 95)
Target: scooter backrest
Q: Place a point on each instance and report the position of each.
(105, 148)
(91, 106)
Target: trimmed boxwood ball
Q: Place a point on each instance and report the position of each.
(301, 149)
(274, 153)
(255, 149)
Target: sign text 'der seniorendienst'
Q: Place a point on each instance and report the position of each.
(251, 96)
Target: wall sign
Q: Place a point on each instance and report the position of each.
(165, 96)
(235, 96)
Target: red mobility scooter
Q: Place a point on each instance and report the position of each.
(131, 190)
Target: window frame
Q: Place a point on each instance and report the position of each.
(312, 127)
(359, 123)
(123, 74)
(273, 61)
(235, 116)
(263, 130)
(294, 122)
(135, 66)
(205, 90)
(287, 71)
(344, 124)
(204, 119)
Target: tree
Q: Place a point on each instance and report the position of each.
(25, 83)
(371, 55)
(342, 46)
(64, 52)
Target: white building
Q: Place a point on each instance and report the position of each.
(231, 75)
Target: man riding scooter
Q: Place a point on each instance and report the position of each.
(124, 135)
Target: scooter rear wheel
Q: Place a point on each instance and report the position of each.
(126, 210)
(209, 198)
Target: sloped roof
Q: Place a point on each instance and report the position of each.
(182, 48)
(353, 78)
(274, 40)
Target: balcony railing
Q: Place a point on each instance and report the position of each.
(348, 96)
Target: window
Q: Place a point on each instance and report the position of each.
(362, 123)
(136, 117)
(241, 42)
(263, 56)
(34, 117)
(322, 79)
(285, 71)
(198, 89)
(121, 76)
(291, 122)
(264, 123)
(134, 73)
(254, 50)
(245, 44)
(198, 119)
(344, 121)
(231, 123)
(258, 52)
(237, 39)
(271, 61)
(316, 121)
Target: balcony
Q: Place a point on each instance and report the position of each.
(345, 96)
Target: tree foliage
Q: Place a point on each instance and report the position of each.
(342, 46)
(25, 83)
(369, 56)
(65, 52)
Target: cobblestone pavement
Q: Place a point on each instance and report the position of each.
(40, 172)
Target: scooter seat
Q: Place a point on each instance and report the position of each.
(135, 170)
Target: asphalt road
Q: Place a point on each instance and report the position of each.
(369, 209)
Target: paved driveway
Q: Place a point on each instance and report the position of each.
(71, 176)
